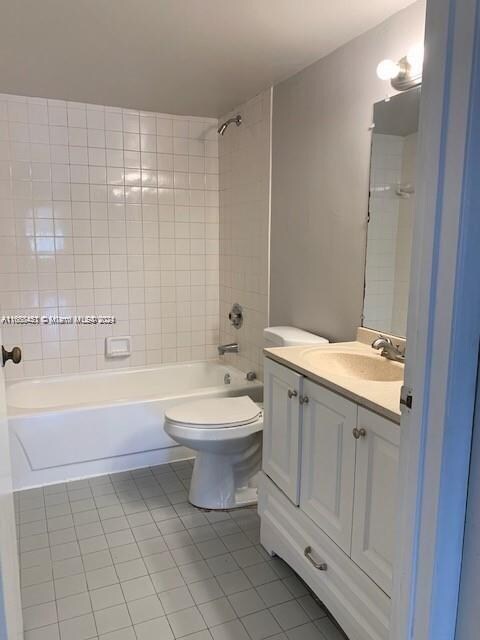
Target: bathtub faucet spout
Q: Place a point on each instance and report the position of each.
(227, 348)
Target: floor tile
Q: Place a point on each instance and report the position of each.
(169, 579)
(217, 612)
(154, 630)
(307, 632)
(176, 599)
(329, 630)
(137, 588)
(222, 564)
(50, 632)
(73, 606)
(289, 614)
(38, 594)
(80, 628)
(259, 574)
(246, 602)
(274, 593)
(186, 622)
(97, 560)
(39, 615)
(70, 585)
(145, 609)
(125, 553)
(101, 578)
(233, 582)
(159, 562)
(134, 560)
(131, 569)
(261, 625)
(113, 618)
(152, 546)
(106, 597)
(205, 590)
(233, 630)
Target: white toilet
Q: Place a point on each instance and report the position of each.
(226, 433)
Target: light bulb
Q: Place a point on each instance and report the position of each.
(415, 59)
(387, 69)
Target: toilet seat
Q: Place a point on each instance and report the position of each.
(215, 413)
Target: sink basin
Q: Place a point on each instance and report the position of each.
(360, 366)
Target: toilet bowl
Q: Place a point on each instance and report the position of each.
(226, 433)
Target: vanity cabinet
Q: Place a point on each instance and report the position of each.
(328, 497)
(328, 461)
(375, 505)
(282, 390)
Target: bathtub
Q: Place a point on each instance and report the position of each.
(75, 426)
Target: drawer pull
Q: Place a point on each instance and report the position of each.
(321, 566)
(292, 393)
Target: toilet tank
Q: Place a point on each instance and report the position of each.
(289, 337)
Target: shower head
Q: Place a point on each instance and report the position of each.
(237, 119)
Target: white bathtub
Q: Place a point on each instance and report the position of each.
(66, 427)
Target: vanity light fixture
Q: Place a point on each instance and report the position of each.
(406, 73)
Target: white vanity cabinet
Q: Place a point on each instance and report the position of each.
(282, 390)
(375, 505)
(328, 497)
(328, 461)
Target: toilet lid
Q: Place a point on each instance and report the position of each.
(212, 413)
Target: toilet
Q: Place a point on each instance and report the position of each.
(226, 434)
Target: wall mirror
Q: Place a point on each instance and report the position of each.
(391, 210)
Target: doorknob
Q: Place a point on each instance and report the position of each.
(15, 355)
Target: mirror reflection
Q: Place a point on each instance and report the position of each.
(391, 210)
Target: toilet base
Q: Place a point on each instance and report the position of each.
(226, 481)
(246, 497)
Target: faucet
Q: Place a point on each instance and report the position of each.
(227, 348)
(388, 349)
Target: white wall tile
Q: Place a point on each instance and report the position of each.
(93, 221)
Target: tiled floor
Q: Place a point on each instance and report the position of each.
(125, 557)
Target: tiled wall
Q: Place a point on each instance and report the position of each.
(389, 233)
(245, 228)
(107, 211)
(404, 239)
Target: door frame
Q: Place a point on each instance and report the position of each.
(442, 331)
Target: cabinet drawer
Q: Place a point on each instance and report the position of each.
(360, 607)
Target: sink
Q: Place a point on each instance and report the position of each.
(360, 366)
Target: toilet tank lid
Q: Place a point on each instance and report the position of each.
(291, 336)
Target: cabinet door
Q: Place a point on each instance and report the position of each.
(375, 503)
(281, 427)
(328, 462)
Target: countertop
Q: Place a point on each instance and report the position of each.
(378, 396)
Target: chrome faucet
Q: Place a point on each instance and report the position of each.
(227, 348)
(388, 349)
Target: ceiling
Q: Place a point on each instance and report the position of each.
(191, 57)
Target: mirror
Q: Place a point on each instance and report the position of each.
(391, 209)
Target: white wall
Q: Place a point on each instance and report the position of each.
(244, 229)
(320, 177)
(105, 210)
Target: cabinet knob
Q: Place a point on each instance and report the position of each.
(318, 564)
(303, 399)
(359, 433)
(292, 393)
